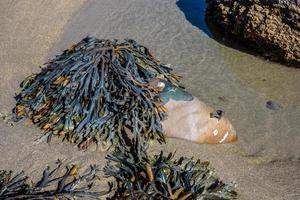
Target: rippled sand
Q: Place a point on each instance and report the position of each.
(265, 162)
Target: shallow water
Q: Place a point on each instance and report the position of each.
(177, 34)
(275, 80)
(194, 11)
(267, 151)
(259, 77)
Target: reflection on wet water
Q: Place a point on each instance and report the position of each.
(210, 69)
(275, 81)
(194, 11)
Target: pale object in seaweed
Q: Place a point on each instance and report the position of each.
(192, 120)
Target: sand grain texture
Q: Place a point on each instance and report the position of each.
(265, 162)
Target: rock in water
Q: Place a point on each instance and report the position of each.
(97, 91)
(273, 105)
(271, 27)
(195, 121)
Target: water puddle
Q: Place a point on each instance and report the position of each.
(275, 81)
(194, 11)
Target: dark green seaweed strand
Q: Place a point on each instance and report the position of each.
(95, 90)
(140, 176)
(52, 185)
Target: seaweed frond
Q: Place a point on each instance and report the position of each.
(70, 185)
(140, 176)
(95, 90)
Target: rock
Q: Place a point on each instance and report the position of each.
(272, 27)
(197, 122)
(273, 105)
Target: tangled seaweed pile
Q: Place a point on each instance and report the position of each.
(137, 176)
(271, 27)
(97, 91)
(140, 176)
(106, 91)
(51, 185)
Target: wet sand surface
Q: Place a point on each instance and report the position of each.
(265, 162)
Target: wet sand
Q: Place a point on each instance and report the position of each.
(265, 161)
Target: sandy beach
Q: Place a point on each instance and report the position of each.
(264, 162)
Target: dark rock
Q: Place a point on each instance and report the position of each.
(273, 105)
(271, 27)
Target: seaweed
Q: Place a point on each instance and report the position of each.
(70, 185)
(94, 91)
(158, 177)
(136, 176)
(110, 92)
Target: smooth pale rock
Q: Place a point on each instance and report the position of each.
(191, 120)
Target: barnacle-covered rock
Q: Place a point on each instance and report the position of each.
(271, 27)
(97, 91)
(160, 177)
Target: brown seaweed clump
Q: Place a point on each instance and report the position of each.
(105, 91)
(160, 177)
(136, 176)
(52, 185)
(97, 91)
(271, 27)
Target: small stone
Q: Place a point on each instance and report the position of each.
(273, 105)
